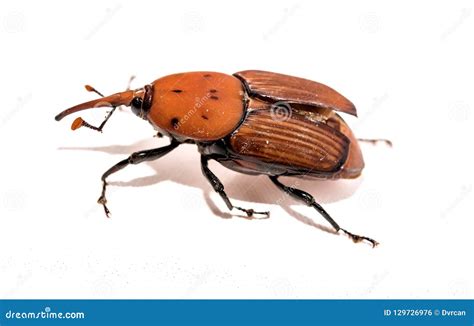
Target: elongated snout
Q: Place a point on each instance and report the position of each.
(122, 98)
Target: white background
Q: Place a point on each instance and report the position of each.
(408, 68)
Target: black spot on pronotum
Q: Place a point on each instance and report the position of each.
(213, 90)
(207, 75)
(175, 123)
(204, 117)
(177, 90)
(213, 97)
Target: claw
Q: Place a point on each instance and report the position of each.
(250, 212)
(357, 238)
(103, 201)
(265, 214)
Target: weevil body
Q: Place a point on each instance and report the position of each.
(253, 122)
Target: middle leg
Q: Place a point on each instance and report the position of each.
(219, 188)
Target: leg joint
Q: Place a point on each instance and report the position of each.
(136, 157)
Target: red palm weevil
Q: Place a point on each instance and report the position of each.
(253, 122)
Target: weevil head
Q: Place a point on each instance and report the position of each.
(139, 100)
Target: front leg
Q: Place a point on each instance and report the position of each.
(219, 188)
(135, 158)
